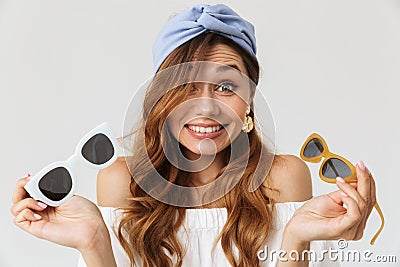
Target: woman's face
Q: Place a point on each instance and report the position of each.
(212, 116)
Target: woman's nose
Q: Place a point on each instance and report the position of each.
(205, 103)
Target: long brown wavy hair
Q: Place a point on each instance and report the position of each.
(146, 229)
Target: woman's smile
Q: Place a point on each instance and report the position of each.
(204, 130)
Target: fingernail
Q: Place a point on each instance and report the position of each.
(361, 165)
(42, 205)
(28, 176)
(340, 180)
(37, 216)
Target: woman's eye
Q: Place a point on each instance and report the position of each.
(226, 87)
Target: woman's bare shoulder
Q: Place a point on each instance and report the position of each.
(291, 177)
(113, 184)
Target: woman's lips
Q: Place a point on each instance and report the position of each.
(201, 131)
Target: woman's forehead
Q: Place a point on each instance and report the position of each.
(225, 55)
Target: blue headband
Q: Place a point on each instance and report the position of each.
(197, 20)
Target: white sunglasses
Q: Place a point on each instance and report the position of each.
(55, 183)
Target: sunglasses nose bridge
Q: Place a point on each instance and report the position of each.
(72, 159)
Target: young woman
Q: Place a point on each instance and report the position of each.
(209, 119)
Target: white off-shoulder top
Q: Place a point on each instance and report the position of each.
(202, 228)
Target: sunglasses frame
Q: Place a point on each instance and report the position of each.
(352, 178)
(327, 155)
(32, 187)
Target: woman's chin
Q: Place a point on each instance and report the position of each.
(196, 153)
(205, 148)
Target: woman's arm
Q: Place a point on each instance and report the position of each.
(101, 254)
(77, 223)
(291, 177)
(113, 185)
(293, 250)
(340, 214)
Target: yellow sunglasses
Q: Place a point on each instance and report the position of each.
(314, 149)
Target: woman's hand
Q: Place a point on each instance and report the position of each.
(77, 223)
(339, 214)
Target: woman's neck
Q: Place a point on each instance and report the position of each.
(205, 169)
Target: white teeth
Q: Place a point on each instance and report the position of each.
(200, 129)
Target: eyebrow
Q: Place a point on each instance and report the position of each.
(229, 67)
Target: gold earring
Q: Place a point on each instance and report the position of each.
(248, 122)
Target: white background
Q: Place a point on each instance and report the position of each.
(66, 66)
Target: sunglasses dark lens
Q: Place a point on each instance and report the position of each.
(313, 148)
(98, 149)
(56, 184)
(335, 167)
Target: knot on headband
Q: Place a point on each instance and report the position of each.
(197, 20)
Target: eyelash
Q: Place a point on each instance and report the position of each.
(221, 85)
(232, 85)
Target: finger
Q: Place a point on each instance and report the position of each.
(353, 215)
(354, 185)
(19, 191)
(362, 225)
(336, 196)
(349, 190)
(372, 193)
(29, 203)
(24, 219)
(364, 181)
(373, 190)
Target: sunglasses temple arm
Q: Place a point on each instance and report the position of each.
(378, 209)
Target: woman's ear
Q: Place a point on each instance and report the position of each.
(252, 93)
